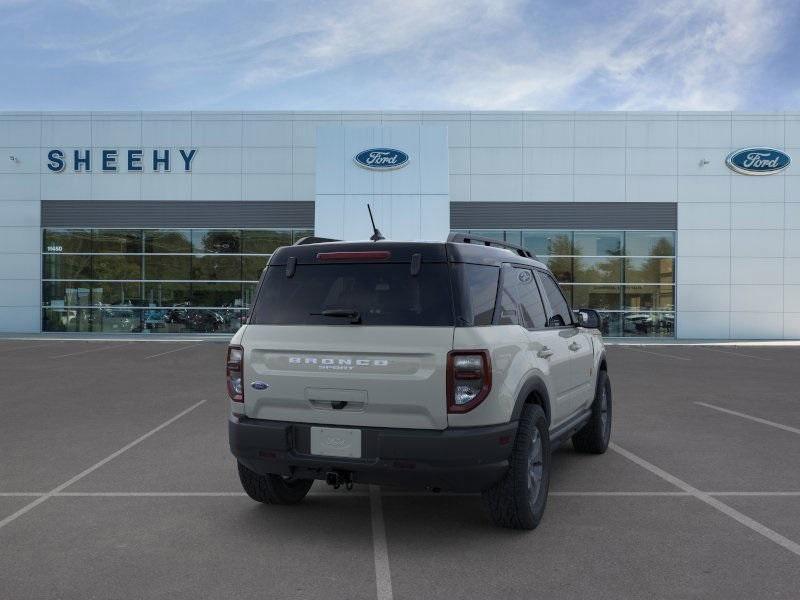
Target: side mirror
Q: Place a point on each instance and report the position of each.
(588, 318)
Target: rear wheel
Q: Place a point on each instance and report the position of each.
(518, 500)
(594, 437)
(273, 489)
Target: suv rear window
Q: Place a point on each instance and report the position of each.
(381, 294)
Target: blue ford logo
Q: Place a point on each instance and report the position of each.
(381, 159)
(758, 161)
(259, 385)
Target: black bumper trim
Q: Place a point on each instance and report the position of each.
(457, 459)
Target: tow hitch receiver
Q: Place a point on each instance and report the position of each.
(339, 478)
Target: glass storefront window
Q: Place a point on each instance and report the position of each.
(226, 241)
(650, 243)
(610, 323)
(598, 270)
(215, 267)
(561, 266)
(649, 297)
(648, 324)
(67, 319)
(139, 320)
(165, 280)
(167, 241)
(91, 293)
(650, 270)
(117, 266)
(265, 241)
(203, 280)
(548, 243)
(177, 267)
(598, 297)
(217, 294)
(197, 320)
(116, 320)
(628, 276)
(598, 243)
(67, 266)
(167, 294)
(117, 240)
(67, 240)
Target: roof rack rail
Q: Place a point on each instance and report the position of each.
(466, 238)
(310, 239)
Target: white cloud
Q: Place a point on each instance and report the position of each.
(322, 39)
(473, 54)
(684, 56)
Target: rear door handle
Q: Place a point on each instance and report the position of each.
(574, 346)
(545, 352)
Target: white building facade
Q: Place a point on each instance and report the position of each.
(162, 222)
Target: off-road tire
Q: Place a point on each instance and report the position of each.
(513, 501)
(594, 436)
(273, 489)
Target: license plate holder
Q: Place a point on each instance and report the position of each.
(336, 441)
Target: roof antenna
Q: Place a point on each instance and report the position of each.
(377, 235)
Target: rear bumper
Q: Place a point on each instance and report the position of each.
(462, 459)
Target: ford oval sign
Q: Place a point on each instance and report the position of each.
(758, 161)
(381, 159)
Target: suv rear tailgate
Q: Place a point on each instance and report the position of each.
(378, 376)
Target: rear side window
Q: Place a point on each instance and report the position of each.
(476, 293)
(381, 294)
(520, 301)
(560, 308)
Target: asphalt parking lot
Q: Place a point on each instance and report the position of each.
(116, 482)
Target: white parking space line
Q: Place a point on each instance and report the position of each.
(757, 494)
(656, 353)
(742, 354)
(383, 576)
(750, 418)
(150, 494)
(617, 494)
(171, 351)
(30, 506)
(91, 350)
(734, 514)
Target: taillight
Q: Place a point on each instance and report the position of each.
(469, 379)
(235, 372)
(365, 255)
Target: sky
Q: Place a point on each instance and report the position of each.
(400, 55)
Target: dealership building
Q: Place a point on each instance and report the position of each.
(671, 224)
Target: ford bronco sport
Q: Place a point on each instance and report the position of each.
(454, 365)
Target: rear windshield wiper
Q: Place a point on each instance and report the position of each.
(346, 313)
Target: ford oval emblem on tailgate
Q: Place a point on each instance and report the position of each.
(259, 385)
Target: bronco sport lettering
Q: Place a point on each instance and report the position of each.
(361, 362)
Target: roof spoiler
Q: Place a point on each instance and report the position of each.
(310, 239)
(466, 238)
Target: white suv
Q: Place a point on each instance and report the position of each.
(446, 366)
